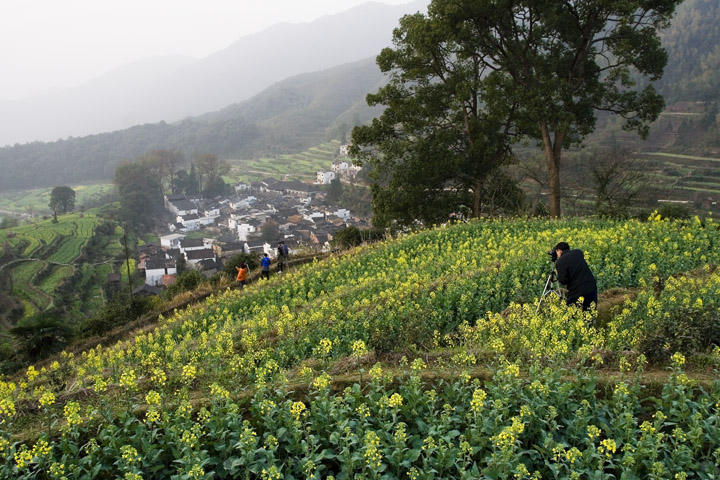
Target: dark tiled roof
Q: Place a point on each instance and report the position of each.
(191, 242)
(147, 290)
(200, 254)
(184, 205)
(158, 264)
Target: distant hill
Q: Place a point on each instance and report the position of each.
(693, 45)
(311, 108)
(290, 116)
(173, 88)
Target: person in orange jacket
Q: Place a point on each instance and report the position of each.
(242, 275)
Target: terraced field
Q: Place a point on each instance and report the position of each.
(45, 256)
(683, 174)
(36, 201)
(300, 166)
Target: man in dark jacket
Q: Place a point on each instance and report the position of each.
(573, 271)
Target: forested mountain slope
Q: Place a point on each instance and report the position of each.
(291, 115)
(693, 46)
(311, 108)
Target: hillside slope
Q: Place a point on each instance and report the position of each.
(242, 385)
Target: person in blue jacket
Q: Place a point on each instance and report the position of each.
(574, 272)
(265, 267)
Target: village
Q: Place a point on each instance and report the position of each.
(206, 232)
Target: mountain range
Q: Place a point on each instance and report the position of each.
(293, 113)
(289, 116)
(174, 87)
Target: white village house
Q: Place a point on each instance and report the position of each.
(190, 244)
(171, 241)
(324, 178)
(156, 269)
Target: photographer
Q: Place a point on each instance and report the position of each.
(573, 271)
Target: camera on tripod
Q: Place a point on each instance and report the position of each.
(552, 287)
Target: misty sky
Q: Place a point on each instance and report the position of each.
(51, 44)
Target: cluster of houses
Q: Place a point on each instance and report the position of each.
(339, 169)
(293, 212)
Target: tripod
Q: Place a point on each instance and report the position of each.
(552, 286)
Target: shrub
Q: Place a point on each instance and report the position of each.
(185, 282)
(40, 335)
(353, 236)
(118, 312)
(674, 210)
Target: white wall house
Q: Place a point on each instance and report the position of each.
(244, 230)
(242, 187)
(191, 244)
(212, 211)
(190, 222)
(182, 207)
(172, 240)
(196, 256)
(325, 178)
(155, 269)
(245, 202)
(339, 167)
(343, 213)
(345, 150)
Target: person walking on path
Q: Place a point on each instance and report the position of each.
(242, 275)
(265, 267)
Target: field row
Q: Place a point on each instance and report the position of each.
(304, 164)
(413, 293)
(551, 424)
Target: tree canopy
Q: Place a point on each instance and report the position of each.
(442, 133)
(62, 200)
(212, 168)
(162, 165)
(140, 194)
(471, 76)
(562, 61)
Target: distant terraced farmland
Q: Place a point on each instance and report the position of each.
(299, 166)
(45, 256)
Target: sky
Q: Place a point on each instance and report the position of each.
(47, 45)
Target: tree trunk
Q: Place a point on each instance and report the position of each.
(477, 197)
(172, 177)
(553, 153)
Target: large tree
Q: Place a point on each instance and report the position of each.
(212, 168)
(471, 73)
(140, 195)
(62, 200)
(162, 164)
(441, 136)
(562, 61)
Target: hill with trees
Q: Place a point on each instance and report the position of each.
(310, 109)
(288, 117)
(171, 88)
(693, 46)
